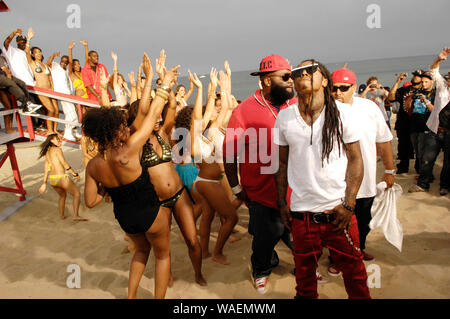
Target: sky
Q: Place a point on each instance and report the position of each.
(200, 34)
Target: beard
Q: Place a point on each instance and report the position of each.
(279, 95)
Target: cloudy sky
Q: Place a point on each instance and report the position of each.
(199, 34)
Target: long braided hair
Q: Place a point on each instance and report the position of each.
(332, 128)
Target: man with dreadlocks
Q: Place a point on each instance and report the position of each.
(321, 158)
(249, 140)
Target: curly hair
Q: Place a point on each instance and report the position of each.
(184, 117)
(103, 125)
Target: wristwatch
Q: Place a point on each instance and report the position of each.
(389, 171)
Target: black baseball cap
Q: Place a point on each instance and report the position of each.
(20, 38)
(418, 72)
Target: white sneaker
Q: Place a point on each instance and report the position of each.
(69, 137)
(31, 107)
(261, 284)
(319, 277)
(76, 134)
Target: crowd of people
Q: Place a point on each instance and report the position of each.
(301, 153)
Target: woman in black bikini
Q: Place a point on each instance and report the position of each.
(118, 169)
(168, 185)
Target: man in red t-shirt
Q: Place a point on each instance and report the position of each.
(249, 142)
(91, 76)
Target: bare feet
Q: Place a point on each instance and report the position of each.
(62, 217)
(205, 255)
(200, 280)
(233, 239)
(221, 259)
(80, 219)
(10, 130)
(107, 198)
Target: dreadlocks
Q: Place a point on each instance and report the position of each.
(332, 128)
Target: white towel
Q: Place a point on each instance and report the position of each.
(384, 213)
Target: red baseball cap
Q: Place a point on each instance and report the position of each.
(406, 84)
(272, 63)
(343, 76)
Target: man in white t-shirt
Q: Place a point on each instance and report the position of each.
(17, 58)
(375, 136)
(321, 160)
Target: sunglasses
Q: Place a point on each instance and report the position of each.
(285, 77)
(310, 69)
(342, 88)
(416, 83)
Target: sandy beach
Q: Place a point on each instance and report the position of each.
(36, 247)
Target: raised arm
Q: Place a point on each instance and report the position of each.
(196, 130)
(139, 87)
(120, 97)
(189, 93)
(442, 56)
(10, 37)
(104, 97)
(50, 59)
(27, 46)
(133, 95)
(225, 97)
(394, 88)
(138, 138)
(144, 102)
(70, 66)
(169, 121)
(86, 51)
(211, 98)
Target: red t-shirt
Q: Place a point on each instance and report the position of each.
(92, 78)
(249, 136)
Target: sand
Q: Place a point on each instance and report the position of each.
(36, 247)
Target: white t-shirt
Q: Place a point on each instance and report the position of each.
(314, 187)
(18, 63)
(373, 130)
(61, 79)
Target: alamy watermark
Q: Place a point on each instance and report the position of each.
(373, 276)
(74, 19)
(74, 279)
(374, 19)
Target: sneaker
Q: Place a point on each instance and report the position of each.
(77, 135)
(333, 271)
(367, 256)
(319, 277)
(416, 188)
(31, 108)
(261, 284)
(443, 191)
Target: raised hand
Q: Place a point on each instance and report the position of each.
(160, 64)
(132, 79)
(402, 76)
(213, 77)
(114, 56)
(444, 53)
(18, 32)
(227, 68)
(170, 76)
(84, 42)
(223, 81)
(71, 45)
(57, 54)
(30, 33)
(147, 66)
(194, 79)
(103, 79)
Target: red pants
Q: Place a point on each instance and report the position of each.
(309, 239)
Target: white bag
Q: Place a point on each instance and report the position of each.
(384, 213)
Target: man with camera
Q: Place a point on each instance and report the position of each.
(403, 122)
(376, 93)
(420, 104)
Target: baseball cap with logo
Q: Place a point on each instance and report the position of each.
(418, 72)
(343, 76)
(272, 63)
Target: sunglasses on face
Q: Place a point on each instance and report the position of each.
(342, 88)
(416, 83)
(310, 69)
(285, 77)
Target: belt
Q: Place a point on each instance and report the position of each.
(442, 130)
(318, 218)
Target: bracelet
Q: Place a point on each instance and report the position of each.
(115, 70)
(389, 171)
(163, 92)
(68, 169)
(76, 175)
(165, 98)
(236, 189)
(348, 207)
(164, 87)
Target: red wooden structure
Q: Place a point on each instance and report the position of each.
(3, 6)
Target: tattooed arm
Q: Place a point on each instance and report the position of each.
(282, 185)
(353, 178)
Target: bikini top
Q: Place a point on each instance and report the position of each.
(206, 148)
(38, 69)
(150, 157)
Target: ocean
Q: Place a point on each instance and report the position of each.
(387, 70)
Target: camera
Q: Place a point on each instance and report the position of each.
(416, 93)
